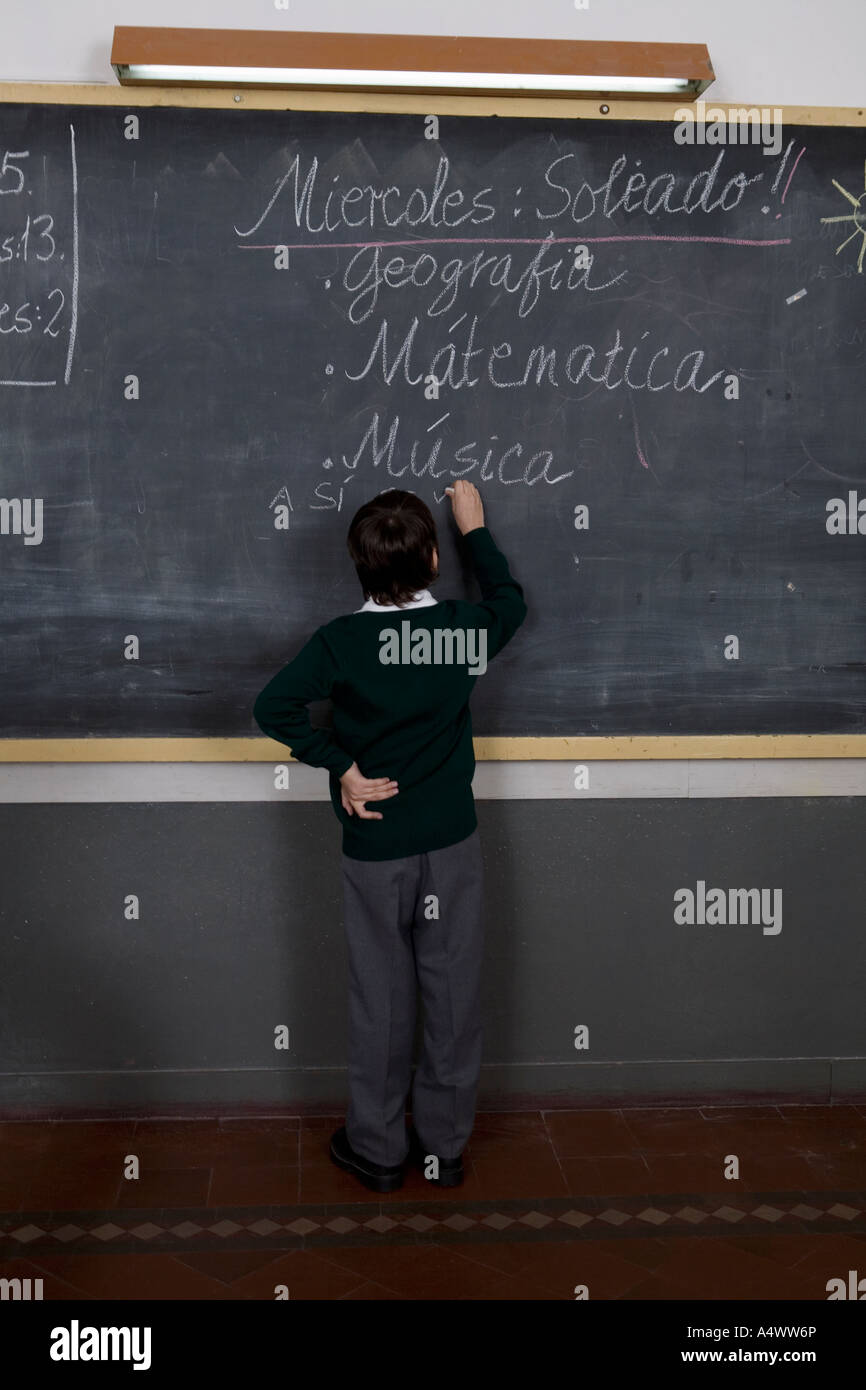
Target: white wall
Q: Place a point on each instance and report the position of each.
(771, 52)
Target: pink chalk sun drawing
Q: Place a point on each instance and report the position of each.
(858, 217)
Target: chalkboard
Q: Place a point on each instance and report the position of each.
(221, 331)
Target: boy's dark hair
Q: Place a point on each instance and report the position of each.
(391, 541)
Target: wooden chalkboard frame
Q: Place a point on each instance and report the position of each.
(603, 747)
(557, 108)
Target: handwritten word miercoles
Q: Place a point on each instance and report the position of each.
(371, 206)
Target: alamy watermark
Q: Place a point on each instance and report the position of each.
(22, 516)
(732, 125)
(438, 646)
(77, 1343)
(20, 1290)
(729, 907)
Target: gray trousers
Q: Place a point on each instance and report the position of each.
(414, 926)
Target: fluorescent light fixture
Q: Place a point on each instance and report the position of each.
(407, 63)
(463, 81)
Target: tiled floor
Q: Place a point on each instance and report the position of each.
(631, 1203)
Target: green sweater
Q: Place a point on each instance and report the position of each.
(407, 720)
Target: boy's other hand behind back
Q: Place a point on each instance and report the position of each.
(356, 789)
(466, 505)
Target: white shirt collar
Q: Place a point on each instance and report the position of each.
(422, 600)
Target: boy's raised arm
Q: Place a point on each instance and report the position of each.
(501, 595)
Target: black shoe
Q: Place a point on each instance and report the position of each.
(450, 1169)
(372, 1175)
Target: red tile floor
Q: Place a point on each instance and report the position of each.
(631, 1203)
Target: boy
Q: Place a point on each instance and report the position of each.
(400, 671)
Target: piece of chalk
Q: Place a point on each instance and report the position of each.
(799, 295)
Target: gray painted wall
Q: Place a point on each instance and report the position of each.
(240, 931)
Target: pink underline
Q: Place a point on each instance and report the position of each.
(793, 171)
(517, 241)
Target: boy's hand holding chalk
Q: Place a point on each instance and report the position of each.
(466, 505)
